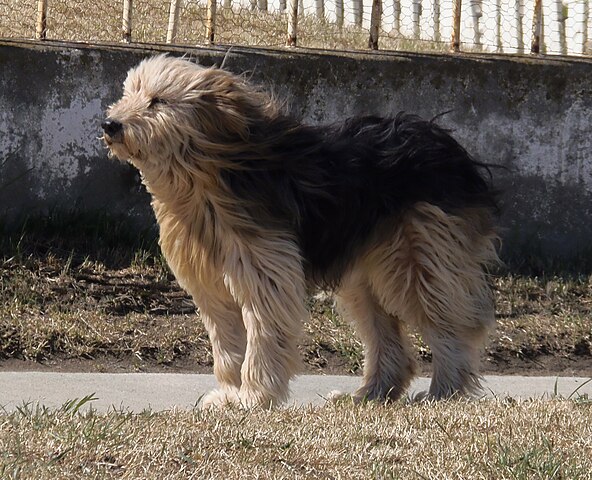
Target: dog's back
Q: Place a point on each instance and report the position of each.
(332, 186)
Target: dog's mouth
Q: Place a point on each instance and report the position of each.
(110, 142)
(117, 148)
(107, 139)
(113, 138)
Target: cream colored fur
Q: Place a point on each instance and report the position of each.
(428, 273)
(249, 284)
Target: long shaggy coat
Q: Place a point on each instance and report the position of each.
(256, 208)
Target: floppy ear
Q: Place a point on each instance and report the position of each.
(225, 107)
(225, 116)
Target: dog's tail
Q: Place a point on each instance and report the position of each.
(417, 160)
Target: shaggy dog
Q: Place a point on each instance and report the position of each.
(255, 208)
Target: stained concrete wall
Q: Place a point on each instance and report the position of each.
(534, 116)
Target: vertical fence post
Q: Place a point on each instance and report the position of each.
(396, 31)
(173, 19)
(292, 23)
(339, 13)
(211, 21)
(499, 48)
(358, 9)
(320, 9)
(586, 42)
(476, 13)
(416, 6)
(228, 4)
(41, 28)
(436, 12)
(519, 15)
(537, 27)
(127, 21)
(561, 18)
(455, 43)
(262, 5)
(375, 24)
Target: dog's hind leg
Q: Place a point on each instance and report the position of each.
(389, 365)
(265, 275)
(222, 318)
(432, 273)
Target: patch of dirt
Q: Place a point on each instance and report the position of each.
(59, 315)
(500, 362)
(332, 364)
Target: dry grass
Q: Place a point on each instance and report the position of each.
(493, 439)
(88, 21)
(87, 290)
(52, 309)
(538, 315)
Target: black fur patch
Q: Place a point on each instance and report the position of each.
(331, 186)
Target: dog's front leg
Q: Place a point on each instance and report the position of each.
(267, 279)
(222, 318)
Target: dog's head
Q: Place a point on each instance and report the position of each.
(173, 109)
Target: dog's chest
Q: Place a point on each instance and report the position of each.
(189, 240)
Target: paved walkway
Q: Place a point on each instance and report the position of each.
(157, 391)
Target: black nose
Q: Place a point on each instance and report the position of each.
(111, 127)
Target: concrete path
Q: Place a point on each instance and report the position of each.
(139, 391)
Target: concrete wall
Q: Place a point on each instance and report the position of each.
(533, 116)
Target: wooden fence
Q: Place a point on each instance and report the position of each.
(292, 9)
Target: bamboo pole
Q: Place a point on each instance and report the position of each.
(455, 43)
(375, 24)
(292, 23)
(173, 20)
(211, 21)
(127, 21)
(537, 27)
(41, 27)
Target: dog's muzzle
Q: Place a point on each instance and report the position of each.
(113, 130)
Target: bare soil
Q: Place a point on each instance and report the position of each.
(74, 314)
(334, 364)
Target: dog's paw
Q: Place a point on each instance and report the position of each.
(335, 396)
(256, 399)
(220, 398)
